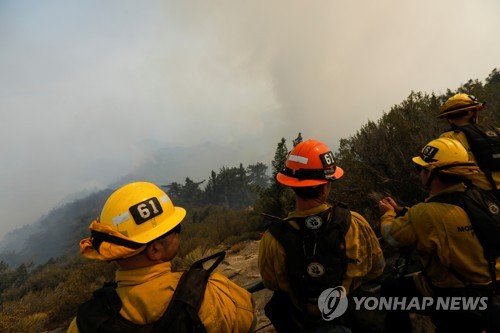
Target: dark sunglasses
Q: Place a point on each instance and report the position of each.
(177, 229)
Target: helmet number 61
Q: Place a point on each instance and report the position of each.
(146, 210)
(327, 159)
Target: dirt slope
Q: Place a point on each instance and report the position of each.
(240, 265)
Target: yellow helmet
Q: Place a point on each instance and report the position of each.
(459, 103)
(446, 155)
(141, 211)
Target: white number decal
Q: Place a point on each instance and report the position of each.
(155, 210)
(329, 158)
(144, 211)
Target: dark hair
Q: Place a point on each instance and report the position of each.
(310, 192)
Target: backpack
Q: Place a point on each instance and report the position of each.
(484, 142)
(483, 209)
(315, 254)
(102, 312)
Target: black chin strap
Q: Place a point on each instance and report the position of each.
(429, 180)
(99, 237)
(305, 174)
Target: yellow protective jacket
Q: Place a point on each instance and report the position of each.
(478, 179)
(443, 236)
(365, 259)
(146, 292)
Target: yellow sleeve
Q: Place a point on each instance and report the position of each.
(364, 255)
(72, 327)
(272, 264)
(375, 258)
(398, 231)
(245, 315)
(227, 307)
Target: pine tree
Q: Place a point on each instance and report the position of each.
(276, 199)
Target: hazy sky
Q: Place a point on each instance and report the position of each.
(87, 88)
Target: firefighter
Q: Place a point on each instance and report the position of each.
(451, 254)
(318, 246)
(482, 141)
(139, 229)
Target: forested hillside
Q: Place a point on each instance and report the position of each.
(39, 295)
(377, 158)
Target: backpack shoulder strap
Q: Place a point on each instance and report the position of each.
(103, 305)
(342, 216)
(182, 312)
(287, 236)
(102, 313)
(484, 142)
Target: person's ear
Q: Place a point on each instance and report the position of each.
(155, 251)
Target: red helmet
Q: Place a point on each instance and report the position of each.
(310, 163)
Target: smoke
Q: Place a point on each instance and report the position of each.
(90, 89)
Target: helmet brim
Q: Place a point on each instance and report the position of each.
(418, 160)
(295, 182)
(479, 107)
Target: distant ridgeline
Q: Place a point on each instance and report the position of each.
(54, 234)
(60, 230)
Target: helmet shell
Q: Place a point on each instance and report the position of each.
(141, 211)
(459, 103)
(442, 152)
(310, 163)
